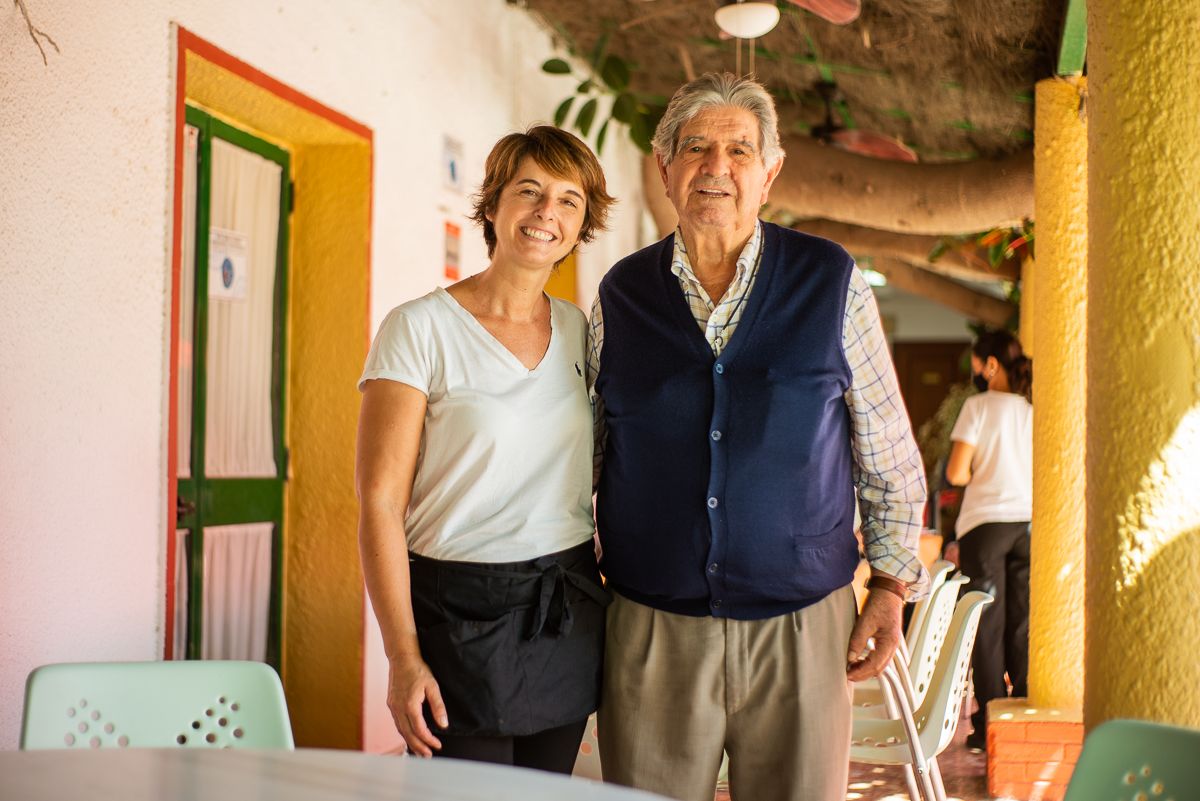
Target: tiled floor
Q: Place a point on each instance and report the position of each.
(964, 774)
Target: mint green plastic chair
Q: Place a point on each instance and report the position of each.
(193, 704)
(1135, 760)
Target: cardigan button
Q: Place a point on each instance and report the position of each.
(716, 435)
(712, 503)
(713, 568)
(716, 603)
(720, 368)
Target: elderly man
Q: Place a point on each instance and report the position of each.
(745, 400)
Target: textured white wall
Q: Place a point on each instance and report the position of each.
(85, 160)
(917, 319)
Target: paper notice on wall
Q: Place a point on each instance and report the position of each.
(228, 264)
(453, 244)
(452, 157)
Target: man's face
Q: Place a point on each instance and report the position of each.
(717, 179)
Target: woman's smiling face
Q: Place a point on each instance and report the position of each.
(538, 216)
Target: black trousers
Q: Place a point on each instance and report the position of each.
(995, 556)
(554, 750)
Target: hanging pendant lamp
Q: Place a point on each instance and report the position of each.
(747, 20)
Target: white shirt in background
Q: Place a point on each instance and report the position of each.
(504, 473)
(1000, 426)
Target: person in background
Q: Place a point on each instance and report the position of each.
(474, 478)
(992, 455)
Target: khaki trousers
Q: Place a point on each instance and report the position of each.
(772, 693)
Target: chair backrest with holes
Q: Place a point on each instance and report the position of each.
(208, 704)
(938, 574)
(1125, 760)
(937, 717)
(929, 642)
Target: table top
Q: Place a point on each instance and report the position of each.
(154, 774)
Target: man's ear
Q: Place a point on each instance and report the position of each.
(662, 170)
(772, 174)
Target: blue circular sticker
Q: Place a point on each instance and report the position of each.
(227, 272)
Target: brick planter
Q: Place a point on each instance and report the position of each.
(1031, 751)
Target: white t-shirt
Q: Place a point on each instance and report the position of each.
(1000, 426)
(504, 472)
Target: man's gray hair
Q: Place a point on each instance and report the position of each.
(717, 90)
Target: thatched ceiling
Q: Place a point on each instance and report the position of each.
(951, 78)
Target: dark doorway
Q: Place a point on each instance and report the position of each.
(925, 371)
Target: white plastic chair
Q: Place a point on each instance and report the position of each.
(874, 699)
(213, 704)
(919, 734)
(938, 574)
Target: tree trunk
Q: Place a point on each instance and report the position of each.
(661, 209)
(975, 305)
(961, 198)
(969, 264)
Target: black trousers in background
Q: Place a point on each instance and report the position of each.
(554, 750)
(995, 556)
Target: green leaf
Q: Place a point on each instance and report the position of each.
(624, 107)
(585, 87)
(639, 133)
(615, 73)
(600, 136)
(556, 66)
(601, 46)
(564, 108)
(996, 254)
(653, 99)
(939, 250)
(586, 114)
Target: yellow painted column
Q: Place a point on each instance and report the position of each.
(1059, 294)
(1143, 494)
(1028, 301)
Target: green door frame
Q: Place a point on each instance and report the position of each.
(207, 501)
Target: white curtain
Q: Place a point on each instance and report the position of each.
(187, 292)
(237, 591)
(244, 203)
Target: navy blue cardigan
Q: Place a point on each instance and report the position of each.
(726, 488)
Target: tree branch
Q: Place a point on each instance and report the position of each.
(964, 300)
(967, 262)
(35, 32)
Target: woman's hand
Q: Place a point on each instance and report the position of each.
(950, 553)
(410, 686)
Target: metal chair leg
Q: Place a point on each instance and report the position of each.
(910, 778)
(935, 774)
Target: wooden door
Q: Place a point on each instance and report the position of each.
(926, 370)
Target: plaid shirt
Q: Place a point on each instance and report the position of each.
(888, 474)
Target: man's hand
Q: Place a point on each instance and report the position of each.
(880, 621)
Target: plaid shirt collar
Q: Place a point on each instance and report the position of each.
(681, 266)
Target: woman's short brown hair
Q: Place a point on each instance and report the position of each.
(557, 152)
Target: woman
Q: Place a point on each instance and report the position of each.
(992, 454)
(474, 477)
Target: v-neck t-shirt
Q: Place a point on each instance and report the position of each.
(504, 471)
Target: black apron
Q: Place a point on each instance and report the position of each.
(516, 647)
